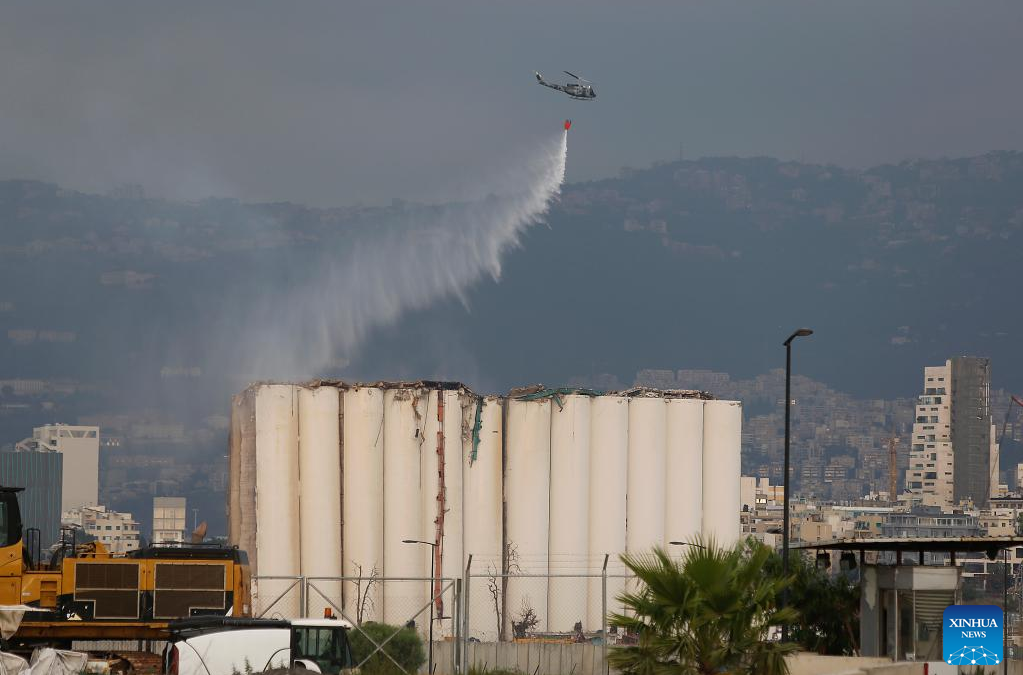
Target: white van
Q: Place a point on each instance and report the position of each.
(225, 646)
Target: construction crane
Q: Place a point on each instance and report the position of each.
(1008, 413)
(893, 468)
(1013, 401)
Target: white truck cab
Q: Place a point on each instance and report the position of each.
(227, 646)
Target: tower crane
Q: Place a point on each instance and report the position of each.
(893, 468)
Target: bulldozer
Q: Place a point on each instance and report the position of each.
(84, 593)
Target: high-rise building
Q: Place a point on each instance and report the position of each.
(80, 449)
(168, 519)
(954, 456)
(40, 474)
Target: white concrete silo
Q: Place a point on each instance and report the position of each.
(319, 472)
(683, 517)
(482, 505)
(277, 525)
(609, 458)
(527, 495)
(570, 504)
(405, 415)
(722, 465)
(648, 426)
(363, 503)
(242, 523)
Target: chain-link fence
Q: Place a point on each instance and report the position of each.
(548, 624)
(431, 607)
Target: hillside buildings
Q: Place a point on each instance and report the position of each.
(954, 455)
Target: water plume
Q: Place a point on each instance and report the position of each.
(429, 254)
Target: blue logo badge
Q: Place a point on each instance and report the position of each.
(972, 635)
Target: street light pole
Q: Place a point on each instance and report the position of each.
(432, 546)
(802, 332)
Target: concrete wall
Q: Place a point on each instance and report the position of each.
(536, 658)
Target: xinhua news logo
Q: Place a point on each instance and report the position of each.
(972, 635)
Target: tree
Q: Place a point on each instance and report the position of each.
(497, 585)
(709, 613)
(363, 598)
(828, 608)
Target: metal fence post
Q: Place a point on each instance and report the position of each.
(303, 597)
(465, 613)
(456, 651)
(603, 613)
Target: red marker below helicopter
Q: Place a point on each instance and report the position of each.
(568, 124)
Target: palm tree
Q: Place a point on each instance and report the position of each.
(708, 613)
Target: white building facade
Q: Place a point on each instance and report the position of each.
(930, 473)
(119, 532)
(168, 520)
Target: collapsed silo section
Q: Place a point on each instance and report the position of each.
(277, 589)
(568, 557)
(363, 502)
(722, 465)
(319, 471)
(405, 591)
(442, 504)
(527, 516)
(609, 443)
(482, 508)
(242, 463)
(683, 472)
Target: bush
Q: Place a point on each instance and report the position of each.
(406, 648)
(496, 671)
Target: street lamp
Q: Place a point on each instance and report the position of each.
(802, 332)
(433, 547)
(687, 543)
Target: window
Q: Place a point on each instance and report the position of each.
(328, 647)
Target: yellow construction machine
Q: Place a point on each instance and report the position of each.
(84, 593)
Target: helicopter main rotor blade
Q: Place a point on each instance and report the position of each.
(581, 79)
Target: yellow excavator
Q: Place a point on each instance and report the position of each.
(85, 593)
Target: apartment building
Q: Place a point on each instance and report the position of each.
(954, 456)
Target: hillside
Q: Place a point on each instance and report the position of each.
(121, 304)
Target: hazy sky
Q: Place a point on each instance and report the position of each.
(337, 103)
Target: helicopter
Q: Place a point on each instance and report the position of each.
(580, 90)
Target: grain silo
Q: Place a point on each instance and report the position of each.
(329, 478)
